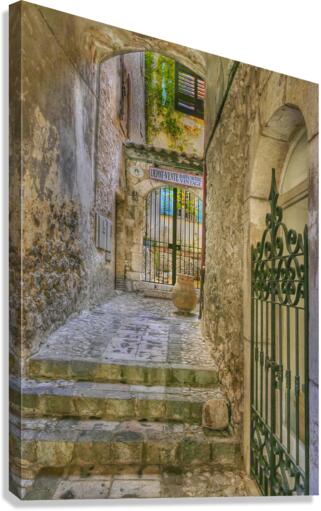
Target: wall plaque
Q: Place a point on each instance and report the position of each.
(178, 178)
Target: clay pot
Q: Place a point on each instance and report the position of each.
(184, 294)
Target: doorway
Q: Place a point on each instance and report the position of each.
(173, 235)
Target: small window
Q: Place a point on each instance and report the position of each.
(189, 92)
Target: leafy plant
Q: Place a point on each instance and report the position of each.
(160, 100)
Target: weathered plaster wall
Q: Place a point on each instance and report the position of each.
(15, 106)
(218, 72)
(226, 161)
(71, 168)
(110, 180)
(58, 111)
(262, 112)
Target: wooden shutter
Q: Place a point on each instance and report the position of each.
(189, 91)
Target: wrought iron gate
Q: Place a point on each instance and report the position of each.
(279, 357)
(173, 235)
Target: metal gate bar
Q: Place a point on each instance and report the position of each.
(172, 237)
(279, 357)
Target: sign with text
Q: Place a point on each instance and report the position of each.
(179, 178)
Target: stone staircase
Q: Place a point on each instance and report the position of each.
(114, 403)
(111, 418)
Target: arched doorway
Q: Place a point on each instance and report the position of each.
(279, 311)
(173, 235)
(294, 183)
(138, 93)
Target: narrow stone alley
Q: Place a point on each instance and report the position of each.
(112, 407)
(148, 176)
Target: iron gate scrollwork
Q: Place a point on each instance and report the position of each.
(279, 357)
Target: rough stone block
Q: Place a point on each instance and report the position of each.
(50, 368)
(150, 409)
(34, 368)
(225, 454)
(83, 453)
(215, 414)
(101, 453)
(54, 454)
(107, 372)
(89, 406)
(205, 378)
(22, 469)
(195, 413)
(156, 376)
(14, 446)
(135, 488)
(21, 450)
(194, 452)
(30, 403)
(151, 453)
(56, 405)
(15, 398)
(168, 453)
(28, 452)
(126, 453)
(181, 377)
(178, 411)
(120, 409)
(81, 370)
(133, 374)
(92, 489)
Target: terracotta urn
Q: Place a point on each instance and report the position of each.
(184, 294)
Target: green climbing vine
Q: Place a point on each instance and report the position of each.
(160, 100)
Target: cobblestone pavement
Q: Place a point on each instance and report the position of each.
(198, 482)
(131, 328)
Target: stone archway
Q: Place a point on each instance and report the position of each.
(120, 131)
(131, 219)
(272, 148)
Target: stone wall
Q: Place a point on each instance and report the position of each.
(226, 161)
(72, 168)
(120, 117)
(15, 249)
(218, 74)
(57, 155)
(262, 113)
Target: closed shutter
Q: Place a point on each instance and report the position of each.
(189, 92)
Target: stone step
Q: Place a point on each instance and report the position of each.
(109, 401)
(158, 293)
(130, 372)
(108, 446)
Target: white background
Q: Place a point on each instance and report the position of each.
(281, 35)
